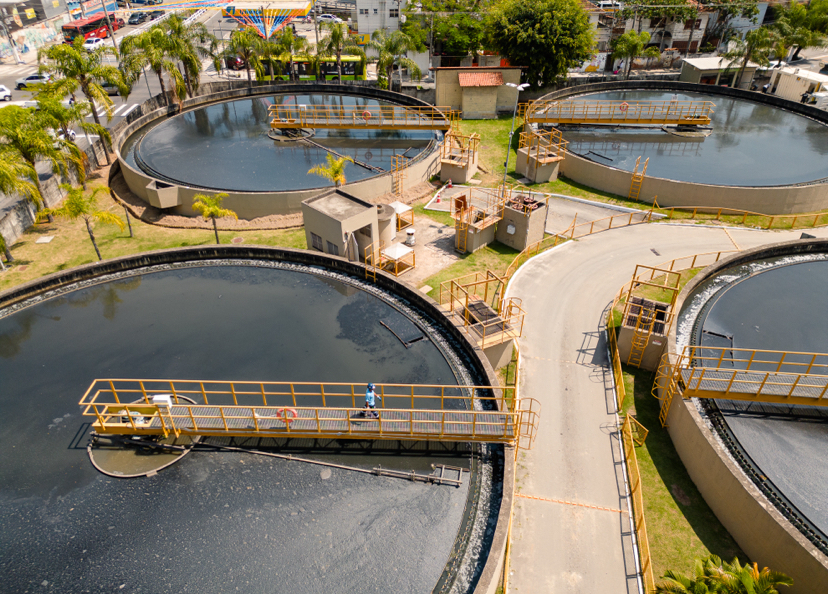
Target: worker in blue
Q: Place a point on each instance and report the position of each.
(370, 402)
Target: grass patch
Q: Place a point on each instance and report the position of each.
(495, 257)
(443, 218)
(71, 245)
(680, 524)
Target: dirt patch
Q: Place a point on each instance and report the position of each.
(680, 495)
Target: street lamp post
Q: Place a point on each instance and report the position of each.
(518, 88)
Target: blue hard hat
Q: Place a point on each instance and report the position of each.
(370, 386)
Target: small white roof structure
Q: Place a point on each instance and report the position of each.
(716, 63)
(399, 207)
(396, 251)
(802, 73)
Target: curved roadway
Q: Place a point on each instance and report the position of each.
(572, 539)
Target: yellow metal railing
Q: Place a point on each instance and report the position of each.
(745, 217)
(614, 222)
(615, 357)
(756, 375)
(631, 435)
(459, 149)
(620, 112)
(306, 409)
(546, 146)
(371, 117)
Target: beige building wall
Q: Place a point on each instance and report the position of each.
(450, 94)
(480, 103)
(336, 231)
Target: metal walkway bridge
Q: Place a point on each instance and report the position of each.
(632, 113)
(372, 117)
(751, 375)
(430, 412)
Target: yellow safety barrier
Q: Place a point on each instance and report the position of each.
(372, 117)
(629, 439)
(431, 412)
(747, 217)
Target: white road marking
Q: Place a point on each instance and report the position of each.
(128, 111)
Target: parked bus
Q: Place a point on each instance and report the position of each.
(353, 68)
(94, 26)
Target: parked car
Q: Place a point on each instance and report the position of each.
(156, 14)
(5, 93)
(32, 79)
(328, 18)
(153, 2)
(93, 43)
(234, 62)
(120, 23)
(137, 18)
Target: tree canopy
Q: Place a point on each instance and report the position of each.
(548, 37)
(455, 27)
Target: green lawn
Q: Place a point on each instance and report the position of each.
(680, 524)
(495, 257)
(71, 246)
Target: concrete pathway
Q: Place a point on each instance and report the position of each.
(576, 547)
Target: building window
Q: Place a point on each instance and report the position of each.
(376, 11)
(688, 24)
(394, 13)
(332, 249)
(316, 242)
(363, 11)
(656, 23)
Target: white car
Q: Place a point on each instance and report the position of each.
(5, 93)
(32, 79)
(93, 43)
(328, 18)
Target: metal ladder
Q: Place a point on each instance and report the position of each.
(461, 237)
(641, 335)
(638, 178)
(398, 176)
(670, 380)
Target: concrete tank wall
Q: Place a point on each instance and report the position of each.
(773, 200)
(762, 531)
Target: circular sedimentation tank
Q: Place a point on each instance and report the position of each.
(761, 154)
(773, 299)
(220, 520)
(228, 146)
(750, 143)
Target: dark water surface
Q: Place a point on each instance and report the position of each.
(225, 146)
(751, 144)
(783, 308)
(216, 521)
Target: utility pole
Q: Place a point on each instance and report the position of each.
(11, 43)
(109, 27)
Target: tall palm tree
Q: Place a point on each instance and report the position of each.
(392, 50)
(80, 205)
(84, 70)
(16, 177)
(340, 40)
(190, 43)
(63, 118)
(25, 132)
(210, 207)
(291, 46)
(755, 47)
(155, 50)
(246, 44)
(334, 170)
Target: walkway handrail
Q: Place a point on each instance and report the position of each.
(813, 217)
(637, 497)
(369, 116)
(619, 112)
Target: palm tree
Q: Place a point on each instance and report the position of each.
(84, 70)
(392, 50)
(292, 45)
(80, 205)
(16, 177)
(189, 43)
(630, 45)
(754, 47)
(246, 44)
(334, 170)
(154, 49)
(340, 40)
(25, 132)
(62, 118)
(705, 572)
(734, 578)
(210, 208)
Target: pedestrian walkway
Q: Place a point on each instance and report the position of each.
(119, 110)
(18, 70)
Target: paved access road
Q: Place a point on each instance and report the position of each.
(562, 547)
